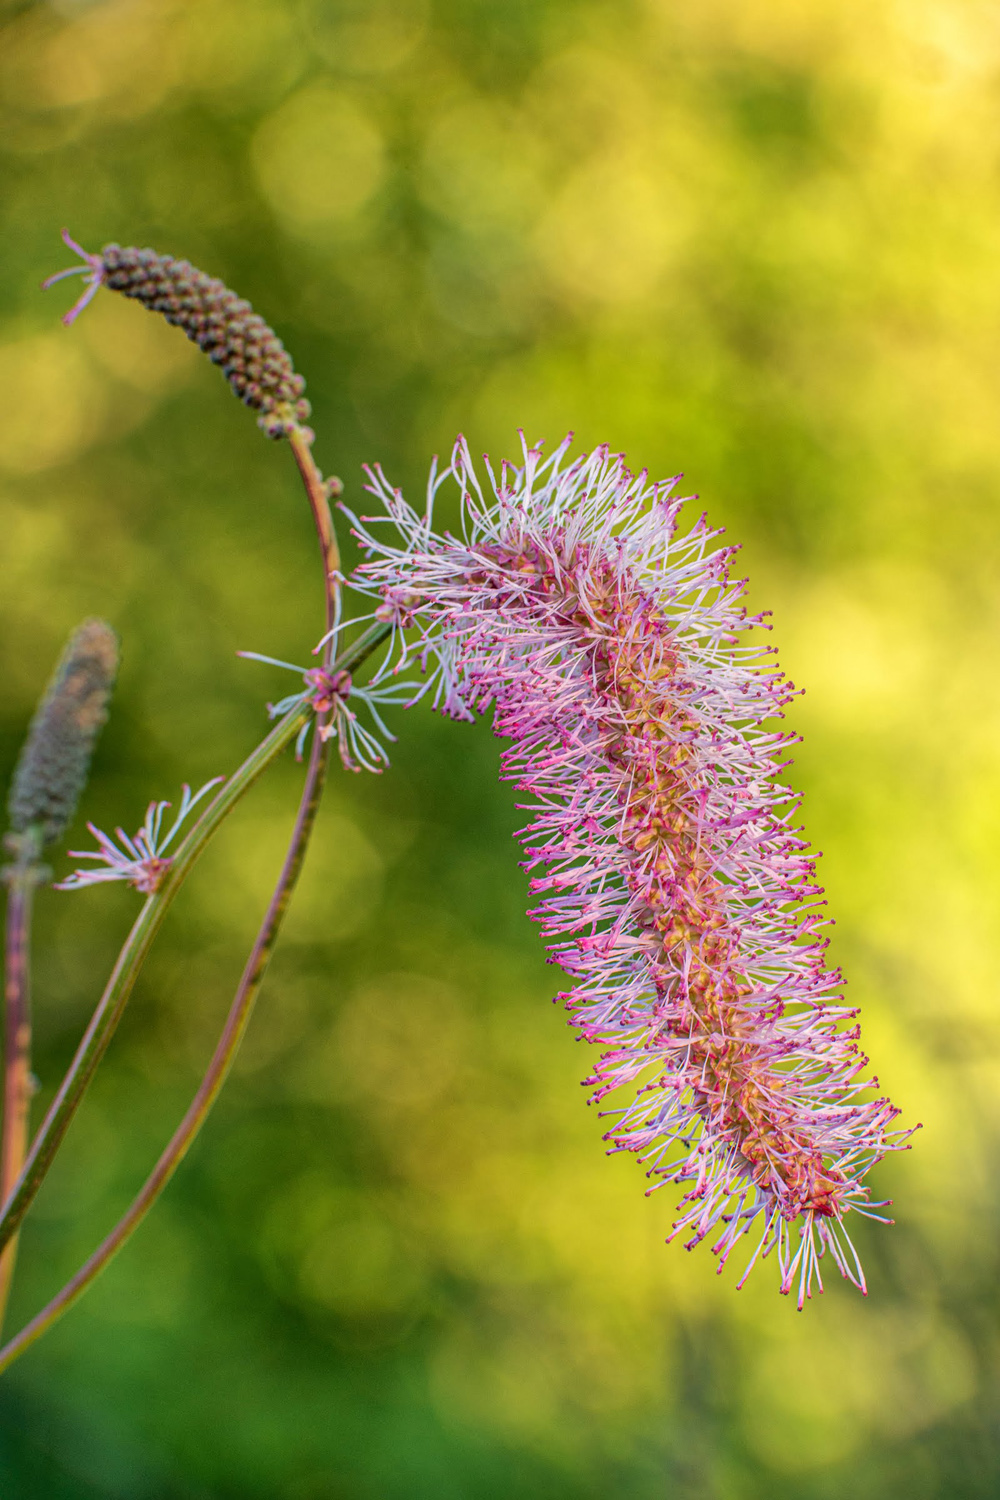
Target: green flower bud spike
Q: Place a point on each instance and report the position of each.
(52, 770)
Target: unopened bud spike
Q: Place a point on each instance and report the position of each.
(52, 770)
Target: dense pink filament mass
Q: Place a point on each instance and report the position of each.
(673, 889)
(685, 901)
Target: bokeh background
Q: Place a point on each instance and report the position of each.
(754, 240)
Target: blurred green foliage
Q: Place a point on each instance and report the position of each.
(754, 239)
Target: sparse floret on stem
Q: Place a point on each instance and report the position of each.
(142, 861)
(329, 692)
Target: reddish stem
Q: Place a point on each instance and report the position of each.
(21, 878)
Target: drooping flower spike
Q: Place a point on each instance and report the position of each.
(675, 890)
(143, 860)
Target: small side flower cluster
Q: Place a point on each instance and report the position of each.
(142, 861)
(330, 693)
(675, 890)
(224, 326)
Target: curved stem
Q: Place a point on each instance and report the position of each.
(112, 1003)
(316, 490)
(21, 879)
(215, 1076)
(239, 1014)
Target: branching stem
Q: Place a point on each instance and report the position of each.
(112, 1003)
(215, 1076)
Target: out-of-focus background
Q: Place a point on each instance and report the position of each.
(754, 240)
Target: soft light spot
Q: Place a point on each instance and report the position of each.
(52, 407)
(117, 53)
(866, 649)
(225, 53)
(366, 36)
(318, 160)
(483, 168)
(612, 232)
(398, 1043)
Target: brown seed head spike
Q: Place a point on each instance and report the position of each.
(253, 358)
(52, 770)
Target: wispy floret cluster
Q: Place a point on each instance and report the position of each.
(143, 860)
(330, 692)
(674, 888)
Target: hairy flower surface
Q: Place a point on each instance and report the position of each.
(675, 890)
(143, 860)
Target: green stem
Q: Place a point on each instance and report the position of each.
(112, 1003)
(21, 879)
(215, 1076)
(253, 974)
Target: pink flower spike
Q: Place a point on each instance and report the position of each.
(92, 270)
(675, 888)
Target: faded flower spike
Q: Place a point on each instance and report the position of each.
(674, 888)
(52, 769)
(142, 861)
(224, 326)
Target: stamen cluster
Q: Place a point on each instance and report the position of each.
(330, 693)
(140, 861)
(675, 890)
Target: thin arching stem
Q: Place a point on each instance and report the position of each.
(317, 491)
(103, 1022)
(215, 1076)
(112, 1003)
(253, 974)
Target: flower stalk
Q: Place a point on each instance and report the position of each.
(169, 879)
(21, 878)
(215, 1075)
(111, 1005)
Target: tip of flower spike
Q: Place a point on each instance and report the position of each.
(224, 326)
(92, 270)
